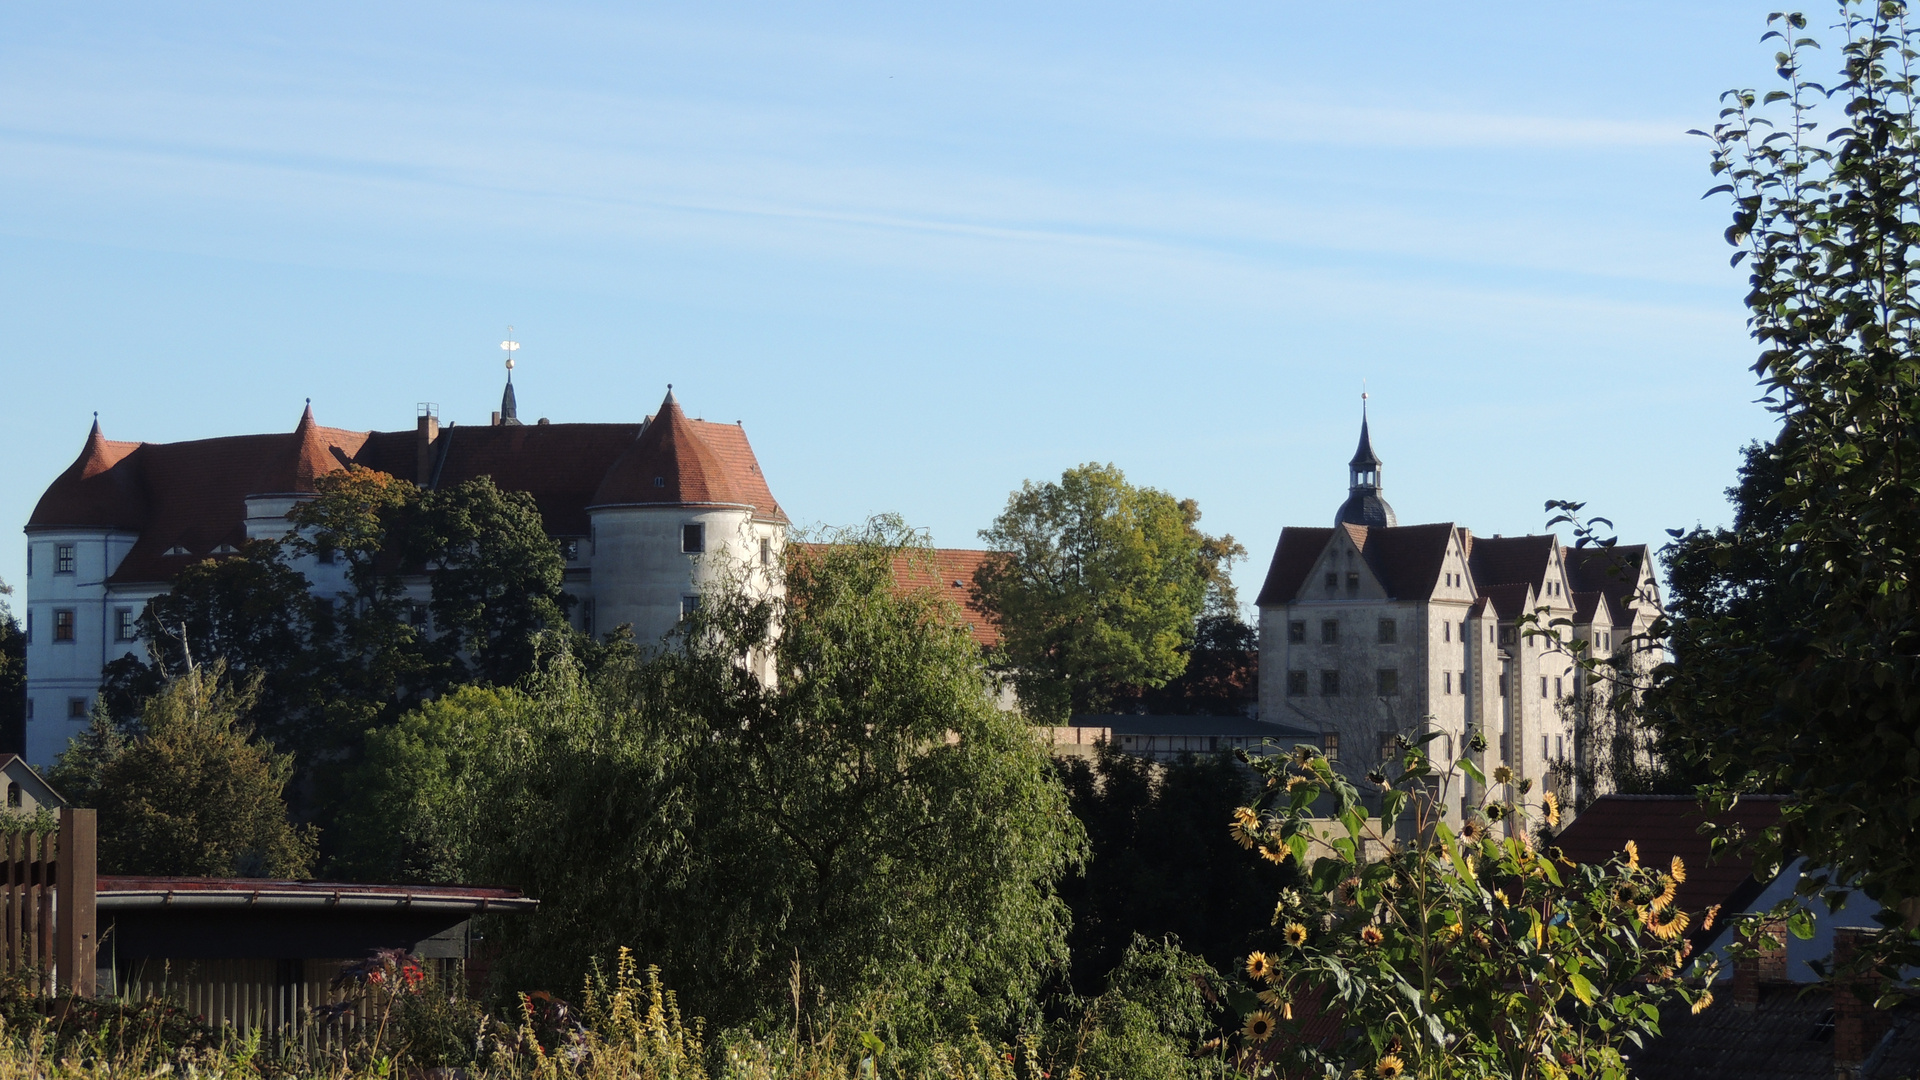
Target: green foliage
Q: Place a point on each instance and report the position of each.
(1154, 1020)
(1099, 588)
(409, 797)
(862, 826)
(13, 677)
(1455, 955)
(496, 576)
(1160, 864)
(194, 793)
(1799, 678)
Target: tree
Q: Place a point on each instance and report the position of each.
(1159, 864)
(1100, 588)
(194, 793)
(13, 678)
(496, 575)
(1800, 676)
(838, 810)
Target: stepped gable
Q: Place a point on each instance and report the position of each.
(1293, 559)
(1407, 558)
(100, 490)
(670, 464)
(1511, 560)
(1614, 571)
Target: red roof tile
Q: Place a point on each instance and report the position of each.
(949, 573)
(1293, 559)
(670, 464)
(100, 490)
(1663, 826)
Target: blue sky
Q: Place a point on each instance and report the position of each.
(923, 253)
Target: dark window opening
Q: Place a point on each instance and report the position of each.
(1329, 684)
(63, 558)
(1297, 631)
(1389, 631)
(1330, 745)
(1296, 684)
(1333, 579)
(1329, 631)
(63, 625)
(77, 708)
(1387, 680)
(693, 537)
(123, 624)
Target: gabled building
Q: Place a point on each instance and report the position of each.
(646, 514)
(1370, 630)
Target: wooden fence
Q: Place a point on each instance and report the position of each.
(47, 887)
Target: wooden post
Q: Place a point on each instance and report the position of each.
(76, 882)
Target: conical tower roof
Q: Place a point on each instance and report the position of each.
(1363, 456)
(308, 457)
(669, 464)
(98, 491)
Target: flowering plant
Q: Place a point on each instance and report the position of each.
(1414, 948)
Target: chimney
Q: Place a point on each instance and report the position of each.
(427, 429)
(1857, 1025)
(1768, 967)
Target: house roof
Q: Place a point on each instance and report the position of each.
(1782, 1039)
(1511, 560)
(1509, 601)
(948, 572)
(189, 498)
(16, 768)
(1615, 571)
(1665, 826)
(669, 464)
(1407, 559)
(1293, 559)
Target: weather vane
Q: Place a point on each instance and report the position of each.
(511, 346)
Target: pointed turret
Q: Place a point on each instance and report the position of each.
(669, 464)
(1364, 505)
(307, 458)
(99, 490)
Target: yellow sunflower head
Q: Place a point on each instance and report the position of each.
(1390, 1067)
(1664, 898)
(1274, 851)
(1633, 855)
(1669, 929)
(1259, 1026)
(1371, 935)
(1259, 966)
(1246, 817)
(1707, 917)
(1678, 871)
(1700, 1003)
(1296, 934)
(1550, 807)
(1502, 775)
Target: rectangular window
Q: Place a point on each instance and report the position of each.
(76, 708)
(1387, 680)
(1329, 631)
(1463, 682)
(1329, 684)
(326, 556)
(1389, 631)
(1353, 581)
(693, 537)
(689, 605)
(417, 614)
(766, 551)
(1296, 684)
(1559, 748)
(1330, 745)
(1503, 685)
(1463, 631)
(1558, 687)
(1446, 631)
(570, 550)
(1386, 746)
(1333, 579)
(1297, 630)
(1543, 746)
(123, 624)
(63, 558)
(1446, 682)
(1543, 686)
(63, 624)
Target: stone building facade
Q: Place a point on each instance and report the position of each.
(645, 514)
(1370, 629)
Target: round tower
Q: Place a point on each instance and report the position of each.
(1365, 505)
(668, 520)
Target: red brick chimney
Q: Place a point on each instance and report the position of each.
(426, 431)
(1770, 966)
(1857, 1025)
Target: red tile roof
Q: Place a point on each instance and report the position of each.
(1663, 826)
(1407, 558)
(1511, 560)
(949, 573)
(1509, 601)
(1293, 559)
(669, 465)
(191, 496)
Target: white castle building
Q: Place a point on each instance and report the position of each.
(645, 514)
(1371, 629)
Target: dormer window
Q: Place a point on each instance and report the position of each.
(176, 550)
(659, 481)
(226, 549)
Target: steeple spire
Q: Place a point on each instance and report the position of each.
(509, 409)
(1364, 505)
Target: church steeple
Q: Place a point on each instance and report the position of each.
(509, 414)
(1364, 505)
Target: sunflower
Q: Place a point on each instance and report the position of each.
(1502, 775)
(1707, 917)
(1671, 929)
(1302, 753)
(1246, 830)
(1371, 935)
(1259, 1026)
(1633, 855)
(1668, 890)
(1275, 852)
(1700, 1003)
(1259, 966)
(1390, 1067)
(1296, 934)
(1678, 871)
(1246, 817)
(1550, 806)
